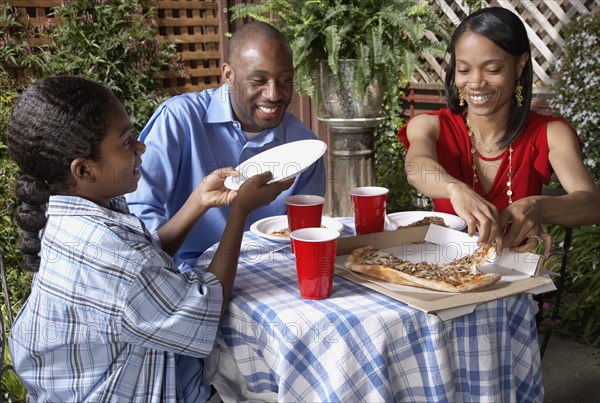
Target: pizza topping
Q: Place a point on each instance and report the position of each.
(285, 232)
(426, 221)
(459, 275)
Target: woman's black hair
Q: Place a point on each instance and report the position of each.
(506, 30)
(54, 121)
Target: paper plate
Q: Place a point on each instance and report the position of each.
(284, 161)
(408, 217)
(266, 226)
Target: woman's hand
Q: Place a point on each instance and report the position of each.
(480, 215)
(523, 226)
(211, 192)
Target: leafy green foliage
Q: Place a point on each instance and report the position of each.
(10, 382)
(389, 160)
(577, 87)
(113, 42)
(580, 312)
(576, 98)
(381, 35)
(18, 282)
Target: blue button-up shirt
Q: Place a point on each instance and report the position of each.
(188, 137)
(110, 318)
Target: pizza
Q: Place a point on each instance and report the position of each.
(284, 232)
(430, 219)
(459, 275)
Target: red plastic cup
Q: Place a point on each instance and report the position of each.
(369, 208)
(303, 211)
(315, 251)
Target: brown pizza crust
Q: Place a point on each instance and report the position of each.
(477, 258)
(397, 277)
(479, 282)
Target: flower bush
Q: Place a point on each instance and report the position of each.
(577, 98)
(577, 86)
(113, 42)
(18, 282)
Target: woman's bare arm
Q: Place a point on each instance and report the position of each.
(425, 173)
(578, 207)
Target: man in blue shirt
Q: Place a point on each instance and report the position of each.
(191, 135)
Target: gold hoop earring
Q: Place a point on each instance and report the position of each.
(461, 98)
(519, 93)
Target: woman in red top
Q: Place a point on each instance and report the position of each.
(487, 156)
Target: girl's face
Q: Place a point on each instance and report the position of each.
(485, 74)
(120, 158)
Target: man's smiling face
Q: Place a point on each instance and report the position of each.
(262, 79)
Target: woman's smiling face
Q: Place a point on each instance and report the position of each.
(486, 74)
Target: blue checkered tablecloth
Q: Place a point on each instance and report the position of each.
(359, 345)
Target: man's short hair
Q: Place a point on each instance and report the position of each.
(254, 31)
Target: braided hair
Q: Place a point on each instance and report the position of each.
(54, 121)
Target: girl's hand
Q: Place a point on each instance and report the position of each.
(257, 192)
(211, 192)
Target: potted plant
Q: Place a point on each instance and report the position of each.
(362, 47)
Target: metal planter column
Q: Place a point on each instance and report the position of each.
(352, 159)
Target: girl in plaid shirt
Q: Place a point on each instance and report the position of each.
(110, 318)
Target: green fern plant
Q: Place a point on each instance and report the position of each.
(382, 36)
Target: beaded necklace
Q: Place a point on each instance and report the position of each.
(474, 153)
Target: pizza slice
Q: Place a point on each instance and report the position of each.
(460, 275)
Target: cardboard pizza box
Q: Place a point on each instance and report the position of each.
(521, 272)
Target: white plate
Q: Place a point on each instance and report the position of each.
(284, 161)
(264, 227)
(409, 217)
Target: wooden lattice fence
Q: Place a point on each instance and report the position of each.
(31, 13)
(197, 27)
(34, 13)
(545, 20)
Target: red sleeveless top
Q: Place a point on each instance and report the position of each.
(530, 165)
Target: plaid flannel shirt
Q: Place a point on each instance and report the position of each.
(109, 317)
